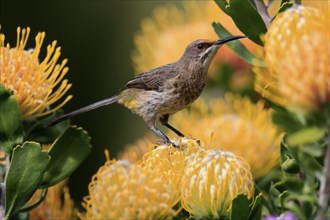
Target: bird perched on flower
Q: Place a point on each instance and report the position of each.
(163, 91)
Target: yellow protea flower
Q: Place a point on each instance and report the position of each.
(164, 36)
(58, 204)
(210, 182)
(297, 54)
(36, 85)
(169, 162)
(234, 124)
(121, 190)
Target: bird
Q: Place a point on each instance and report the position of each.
(165, 90)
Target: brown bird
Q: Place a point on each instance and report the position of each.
(163, 91)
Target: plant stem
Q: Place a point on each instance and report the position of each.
(324, 183)
(262, 9)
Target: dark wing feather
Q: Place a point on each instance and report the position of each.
(153, 79)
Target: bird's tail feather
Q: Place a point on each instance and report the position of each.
(87, 108)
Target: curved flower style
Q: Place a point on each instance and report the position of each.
(164, 36)
(297, 54)
(121, 190)
(210, 182)
(36, 85)
(237, 125)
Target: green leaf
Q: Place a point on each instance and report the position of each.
(246, 18)
(222, 5)
(290, 184)
(284, 119)
(28, 164)
(11, 129)
(305, 136)
(284, 151)
(290, 166)
(308, 163)
(67, 153)
(274, 194)
(237, 47)
(255, 212)
(36, 131)
(284, 7)
(240, 207)
(313, 149)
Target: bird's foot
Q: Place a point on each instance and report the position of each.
(160, 143)
(178, 143)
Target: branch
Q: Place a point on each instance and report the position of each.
(262, 9)
(324, 184)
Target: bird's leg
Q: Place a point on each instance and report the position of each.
(160, 134)
(164, 121)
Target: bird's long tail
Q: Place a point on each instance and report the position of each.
(87, 108)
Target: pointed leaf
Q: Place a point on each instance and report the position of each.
(246, 18)
(309, 164)
(222, 4)
(255, 212)
(27, 166)
(240, 207)
(284, 151)
(285, 119)
(11, 130)
(237, 47)
(313, 149)
(67, 153)
(290, 166)
(304, 136)
(284, 7)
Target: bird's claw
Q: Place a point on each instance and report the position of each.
(159, 143)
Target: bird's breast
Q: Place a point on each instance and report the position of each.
(182, 92)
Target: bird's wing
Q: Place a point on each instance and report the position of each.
(153, 79)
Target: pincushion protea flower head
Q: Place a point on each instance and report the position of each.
(169, 162)
(121, 190)
(36, 85)
(152, 188)
(211, 181)
(234, 124)
(297, 54)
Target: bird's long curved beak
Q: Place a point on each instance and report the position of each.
(227, 39)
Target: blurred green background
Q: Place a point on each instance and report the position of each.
(97, 39)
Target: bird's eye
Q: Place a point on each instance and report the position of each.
(200, 46)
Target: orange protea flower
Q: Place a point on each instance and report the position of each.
(296, 51)
(237, 125)
(211, 181)
(164, 36)
(36, 85)
(57, 205)
(121, 190)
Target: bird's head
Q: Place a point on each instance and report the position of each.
(204, 50)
